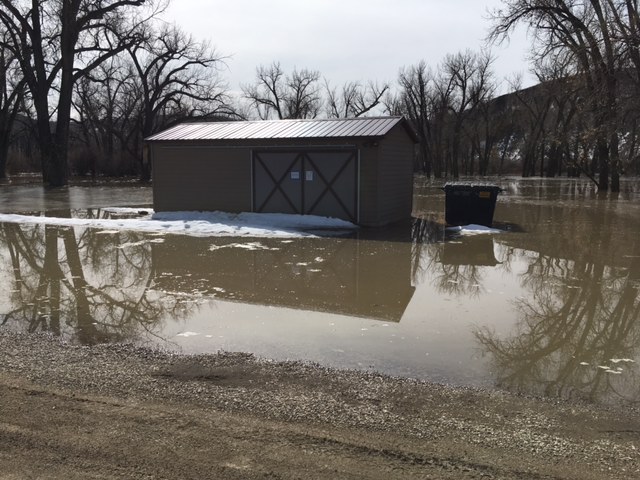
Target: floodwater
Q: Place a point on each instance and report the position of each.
(549, 305)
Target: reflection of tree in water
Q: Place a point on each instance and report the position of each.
(581, 314)
(455, 279)
(93, 282)
(425, 234)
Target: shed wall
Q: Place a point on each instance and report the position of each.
(368, 185)
(395, 177)
(201, 178)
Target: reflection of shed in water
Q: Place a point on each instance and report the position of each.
(343, 276)
(472, 250)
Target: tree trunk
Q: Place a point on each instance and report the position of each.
(58, 164)
(426, 160)
(602, 158)
(614, 160)
(455, 152)
(5, 133)
(59, 170)
(145, 173)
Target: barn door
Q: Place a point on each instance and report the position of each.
(331, 184)
(313, 182)
(277, 182)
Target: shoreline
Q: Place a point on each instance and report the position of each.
(109, 411)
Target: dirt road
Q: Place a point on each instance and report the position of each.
(124, 412)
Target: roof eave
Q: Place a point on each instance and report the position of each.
(371, 129)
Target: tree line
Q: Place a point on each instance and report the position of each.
(100, 76)
(83, 82)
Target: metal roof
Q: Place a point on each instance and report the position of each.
(279, 129)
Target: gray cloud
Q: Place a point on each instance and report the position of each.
(346, 40)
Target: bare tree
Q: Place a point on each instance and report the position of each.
(563, 89)
(276, 94)
(533, 107)
(440, 104)
(56, 43)
(178, 78)
(417, 101)
(587, 33)
(166, 77)
(12, 91)
(466, 81)
(354, 99)
(107, 106)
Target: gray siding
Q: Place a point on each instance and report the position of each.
(201, 178)
(368, 185)
(395, 177)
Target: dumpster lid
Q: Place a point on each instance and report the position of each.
(471, 185)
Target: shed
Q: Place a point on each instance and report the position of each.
(356, 169)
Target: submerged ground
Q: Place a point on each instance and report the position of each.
(116, 411)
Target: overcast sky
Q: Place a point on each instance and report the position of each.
(346, 40)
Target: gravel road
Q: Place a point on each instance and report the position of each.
(120, 411)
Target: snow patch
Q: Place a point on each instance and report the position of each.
(128, 210)
(142, 242)
(187, 334)
(472, 229)
(203, 224)
(246, 246)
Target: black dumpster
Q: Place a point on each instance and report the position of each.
(467, 204)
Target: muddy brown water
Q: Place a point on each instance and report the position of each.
(548, 305)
